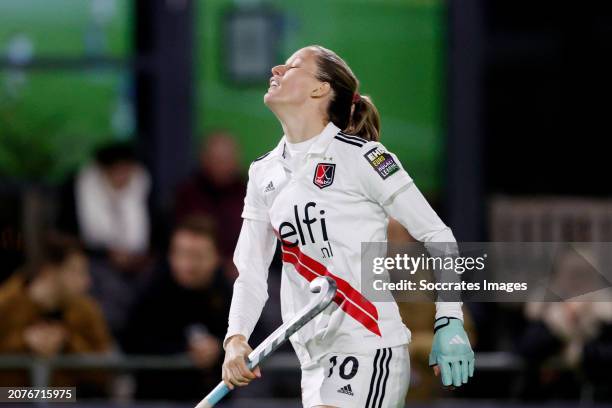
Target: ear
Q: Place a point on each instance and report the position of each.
(322, 90)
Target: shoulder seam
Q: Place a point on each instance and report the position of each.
(263, 156)
(357, 138)
(349, 141)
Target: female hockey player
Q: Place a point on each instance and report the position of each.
(328, 186)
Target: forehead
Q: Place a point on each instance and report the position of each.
(301, 55)
(184, 236)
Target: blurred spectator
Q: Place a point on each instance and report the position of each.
(216, 189)
(575, 331)
(107, 205)
(45, 309)
(184, 310)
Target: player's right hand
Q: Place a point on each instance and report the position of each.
(235, 370)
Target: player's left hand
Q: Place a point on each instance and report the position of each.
(451, 353)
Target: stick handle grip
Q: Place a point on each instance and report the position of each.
(326, 287)
(220, 390)
(214, 396)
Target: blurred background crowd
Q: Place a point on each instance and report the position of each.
(127, 126)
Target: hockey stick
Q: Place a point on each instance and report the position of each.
(326, 289)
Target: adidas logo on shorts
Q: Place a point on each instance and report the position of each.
(346, 390)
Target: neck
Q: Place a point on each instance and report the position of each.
(302, 126)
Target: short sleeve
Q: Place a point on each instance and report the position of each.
(254, 205)
(380, 172)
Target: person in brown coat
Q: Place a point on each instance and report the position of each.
(45, 309)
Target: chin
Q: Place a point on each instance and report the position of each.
(268, 99)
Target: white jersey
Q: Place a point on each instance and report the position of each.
(322, 208)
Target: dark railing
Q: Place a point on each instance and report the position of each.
(41, 369)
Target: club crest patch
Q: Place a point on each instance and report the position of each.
(382, 162)
(324, 175)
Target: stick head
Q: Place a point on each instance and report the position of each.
(322, 282)
(325, 286)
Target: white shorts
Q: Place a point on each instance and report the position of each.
(375, 380)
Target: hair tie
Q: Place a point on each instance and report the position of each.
(356, 97)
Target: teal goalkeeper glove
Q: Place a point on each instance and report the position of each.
(451, 351)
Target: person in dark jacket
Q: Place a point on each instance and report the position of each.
(183, 311)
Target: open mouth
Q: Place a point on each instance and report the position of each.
(274, 83)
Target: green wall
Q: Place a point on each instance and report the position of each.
(396, 49)
(52, 119)
(58, 27)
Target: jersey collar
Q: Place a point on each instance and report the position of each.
(318, 147)
(324, 139)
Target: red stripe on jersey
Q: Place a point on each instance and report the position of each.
(350, 301)
(343, 285)
(291, 258)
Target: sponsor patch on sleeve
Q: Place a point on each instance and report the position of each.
(382, 162)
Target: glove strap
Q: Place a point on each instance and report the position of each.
(444, 321)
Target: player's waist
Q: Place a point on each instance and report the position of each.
(349, 340)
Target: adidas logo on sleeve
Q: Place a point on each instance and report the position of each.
(269, 187)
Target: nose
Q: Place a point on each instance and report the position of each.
(278, 70)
